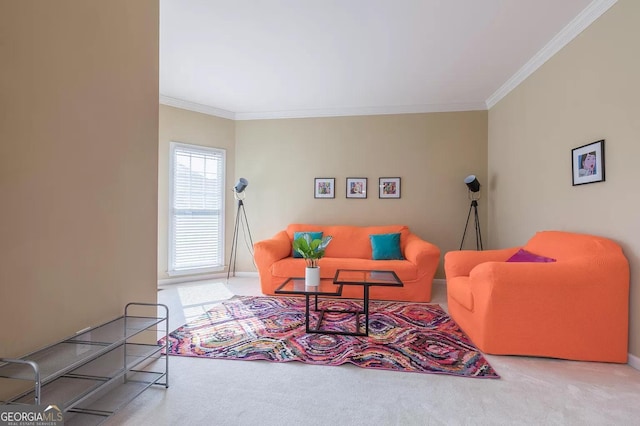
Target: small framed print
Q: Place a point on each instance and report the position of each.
(324, 188)
(587, 163)
(389, 187)
(356, 187)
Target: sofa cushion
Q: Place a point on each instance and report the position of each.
(386, 246)
(296, 235)
(526, 256)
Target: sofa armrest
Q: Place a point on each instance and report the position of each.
(267, 252)
(417, 250)
(460, 263)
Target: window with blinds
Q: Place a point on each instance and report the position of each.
(196, 211)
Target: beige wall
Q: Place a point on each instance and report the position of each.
(78, 165)
(588, 91)
(179, 125)
(432, 153)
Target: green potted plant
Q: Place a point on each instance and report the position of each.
(312, 251)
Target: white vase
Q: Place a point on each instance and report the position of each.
(312, 276)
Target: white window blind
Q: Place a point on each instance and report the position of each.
(196, 216)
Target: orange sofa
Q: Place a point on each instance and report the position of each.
(575, 308)
(350, 248)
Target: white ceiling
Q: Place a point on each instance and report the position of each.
(250, 59)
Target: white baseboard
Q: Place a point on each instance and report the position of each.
(189, 278)
(246, 274)
(212, 276)
(634, 362)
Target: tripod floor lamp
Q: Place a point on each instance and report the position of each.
(474, 196)
(239, 194)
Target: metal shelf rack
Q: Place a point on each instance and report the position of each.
(94, 373)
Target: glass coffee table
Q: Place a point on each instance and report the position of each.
(333, 288)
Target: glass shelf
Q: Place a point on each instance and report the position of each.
(116, 331)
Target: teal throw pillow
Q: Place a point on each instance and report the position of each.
(313, 235)
(386, 247)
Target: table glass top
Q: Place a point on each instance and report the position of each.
(360, 277)
(297, 286)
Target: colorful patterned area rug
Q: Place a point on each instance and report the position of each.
(411, 337)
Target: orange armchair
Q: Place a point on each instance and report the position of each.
(575, 308)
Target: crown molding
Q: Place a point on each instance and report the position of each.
(192, 106)
(352, 111)
(322, 112)
(592, 12)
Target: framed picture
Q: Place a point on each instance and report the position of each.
(324, 188)
(356, 187)
(389, 187)
(587, 163)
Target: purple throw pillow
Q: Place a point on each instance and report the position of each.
(525, 256)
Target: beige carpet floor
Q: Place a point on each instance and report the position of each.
(532, 391)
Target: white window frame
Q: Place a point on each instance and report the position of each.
(172, 268)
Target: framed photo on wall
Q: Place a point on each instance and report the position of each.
(324, 188)
(356, 187)
(389, 187)
(587, 163)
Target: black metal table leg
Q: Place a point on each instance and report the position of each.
(366, 310)
(306, 313)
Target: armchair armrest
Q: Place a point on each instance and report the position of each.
(460, 263)
(559, 285)
(266, 252)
